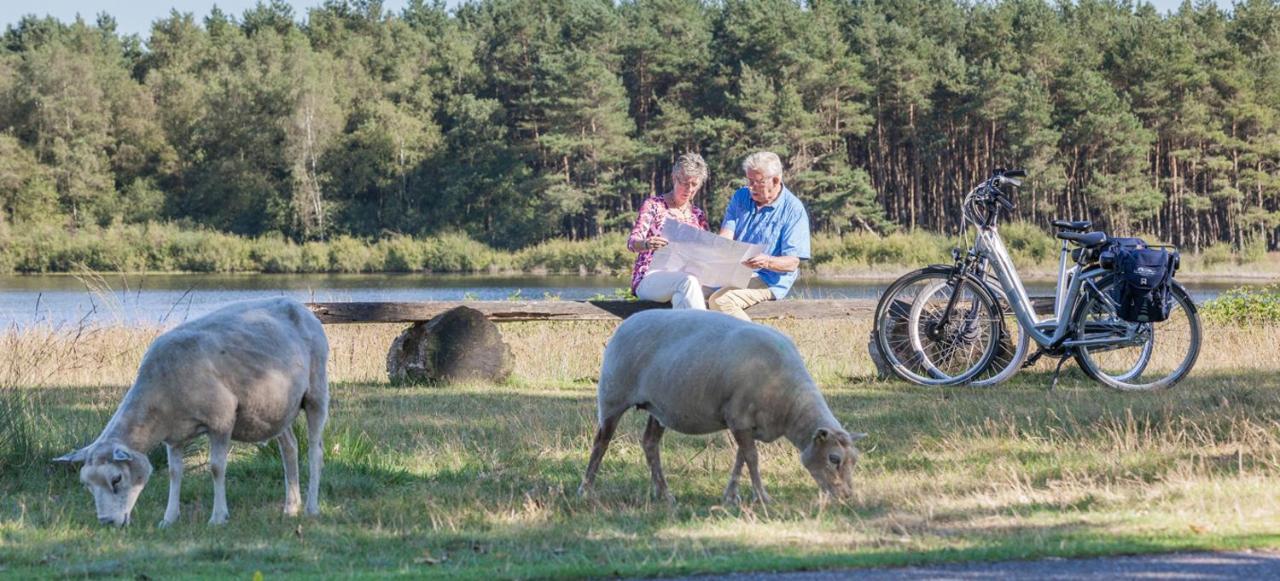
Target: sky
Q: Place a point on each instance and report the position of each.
(135, 16)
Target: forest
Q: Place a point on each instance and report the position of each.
(514, 122)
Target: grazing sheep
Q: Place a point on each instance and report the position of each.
(240, 373)
(698, 372)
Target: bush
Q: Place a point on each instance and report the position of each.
(315, 258)
(458, 253)
(346, 254)
(1244, 306)
(606, 254)
(1029, 244)
(277, 255)
(1216, 255)
(401, 254)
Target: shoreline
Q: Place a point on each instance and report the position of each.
(886, 276)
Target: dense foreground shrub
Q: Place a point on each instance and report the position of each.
(1244, 305)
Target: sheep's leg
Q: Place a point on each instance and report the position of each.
(747, 444)
(652, 452)
(175, 484)
(317, 415)
(289, 455)
(731, 491)
(219, 446)
(603, 435)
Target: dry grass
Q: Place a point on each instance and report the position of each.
(479, 480)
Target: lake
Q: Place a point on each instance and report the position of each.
(168, 299)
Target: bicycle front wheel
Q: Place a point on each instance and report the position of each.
(1143, 356)
(926, 344)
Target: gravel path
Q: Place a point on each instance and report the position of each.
(1215, 566)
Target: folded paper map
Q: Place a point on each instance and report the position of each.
(715, 260)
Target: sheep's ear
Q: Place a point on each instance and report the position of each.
(121, 454)
(70, 458)
(821, 435)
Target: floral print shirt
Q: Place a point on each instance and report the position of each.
(653, 212)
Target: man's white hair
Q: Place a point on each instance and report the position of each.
(765, 162)
(690, 165)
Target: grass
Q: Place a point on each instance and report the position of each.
(478, 481)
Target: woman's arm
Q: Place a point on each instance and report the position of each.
(641, 230)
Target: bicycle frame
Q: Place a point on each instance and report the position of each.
(1071, 288)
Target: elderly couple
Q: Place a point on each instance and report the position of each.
(764, 212)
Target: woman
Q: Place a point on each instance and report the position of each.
(682, 289)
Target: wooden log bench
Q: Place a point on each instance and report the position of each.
(419, 313)
(506, 311)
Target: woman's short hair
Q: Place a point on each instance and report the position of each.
(689, 165)
(765, 162)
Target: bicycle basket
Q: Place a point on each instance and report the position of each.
(1144, 286)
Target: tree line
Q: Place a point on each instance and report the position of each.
(516, 121)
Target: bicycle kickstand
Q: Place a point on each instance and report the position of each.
(1056, 372)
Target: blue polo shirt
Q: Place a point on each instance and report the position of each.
(782, 227)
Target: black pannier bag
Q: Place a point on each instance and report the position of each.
(1144, 286)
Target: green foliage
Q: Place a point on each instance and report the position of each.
(513, 122)
(607, 254)
(1029, 243)
(1244, 306)
(862, 249)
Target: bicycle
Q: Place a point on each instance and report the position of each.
(959, 324)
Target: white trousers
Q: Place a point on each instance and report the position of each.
(682, 289)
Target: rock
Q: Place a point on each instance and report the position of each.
(459, 344)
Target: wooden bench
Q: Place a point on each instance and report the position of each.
(503, 311)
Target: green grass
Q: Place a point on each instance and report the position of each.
(479, 481)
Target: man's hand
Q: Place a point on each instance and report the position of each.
(759, 261)
(774, 263)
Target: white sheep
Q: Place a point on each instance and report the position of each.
(699, 372)
(240, 373)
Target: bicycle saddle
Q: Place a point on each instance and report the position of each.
(1086, 239)
(1077, 226)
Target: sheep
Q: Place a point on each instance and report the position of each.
(699, 372)
(240, 373)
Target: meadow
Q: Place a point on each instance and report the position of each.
(480, 480)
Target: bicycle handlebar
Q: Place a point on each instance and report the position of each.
(990, 194)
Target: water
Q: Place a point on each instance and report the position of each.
(169, 299)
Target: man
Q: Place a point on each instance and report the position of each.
(767, 213)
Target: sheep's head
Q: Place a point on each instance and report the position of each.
(830, 457)
(115, 475)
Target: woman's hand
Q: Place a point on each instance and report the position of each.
(655, 242)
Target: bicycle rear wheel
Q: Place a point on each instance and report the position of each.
(924, 345)
(1158, 356)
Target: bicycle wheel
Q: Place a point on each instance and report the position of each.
(1012, 352)
(1158, 356)
(923, 348)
